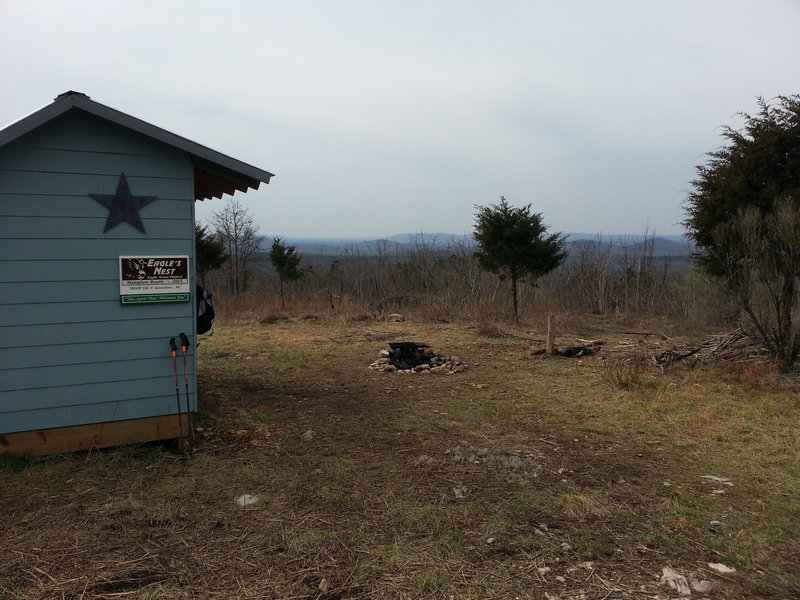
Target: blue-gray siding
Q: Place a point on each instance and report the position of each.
(70, 353)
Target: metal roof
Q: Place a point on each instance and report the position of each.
(215, 173)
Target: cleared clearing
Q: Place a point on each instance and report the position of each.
(363, 492)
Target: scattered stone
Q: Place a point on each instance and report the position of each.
(560, 579)
(716, 526)
(323, 586)
(308, 435)
(246, 500)
(703, 586)
(675, 581)
(565, 546)
(460, 492)
(543, 570)
(517, 462)
(518, 466)
(490, 540)
(423, 460)
(396, 318)
(412, 357)
(722, 480)
(720, 568)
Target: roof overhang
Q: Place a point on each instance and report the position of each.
(215, 173)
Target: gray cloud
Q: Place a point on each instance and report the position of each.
(380, 116)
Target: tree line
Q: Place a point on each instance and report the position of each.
(742, 213)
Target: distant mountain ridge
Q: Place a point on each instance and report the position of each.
(662, 245)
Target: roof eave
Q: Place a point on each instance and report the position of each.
(32, 121)
(238, 175)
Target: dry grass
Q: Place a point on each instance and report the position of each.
(585, 506)
(355, 513)
(624, 373)
(491, 330)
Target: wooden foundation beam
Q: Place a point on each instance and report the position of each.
(85, 437)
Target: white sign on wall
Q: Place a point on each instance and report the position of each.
(153, 279)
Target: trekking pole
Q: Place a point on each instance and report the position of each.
(184, 349)
(177, 392)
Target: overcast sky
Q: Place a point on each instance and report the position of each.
(382, 117)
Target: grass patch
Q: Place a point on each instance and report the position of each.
(430, 581)
(664, 542)
(447, 543)
(623, 373)
(14, 464)
(259, 417)
(584, 506)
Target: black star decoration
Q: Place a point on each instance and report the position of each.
(123, 206)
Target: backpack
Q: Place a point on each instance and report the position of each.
(205, 310)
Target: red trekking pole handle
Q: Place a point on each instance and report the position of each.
(174, 362)
(184, 349)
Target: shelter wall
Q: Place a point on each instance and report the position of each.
(70, 352)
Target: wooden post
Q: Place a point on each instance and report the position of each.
(551, 335)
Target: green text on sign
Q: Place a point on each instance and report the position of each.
(154, 298)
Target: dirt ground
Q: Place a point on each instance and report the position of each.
(520, 477)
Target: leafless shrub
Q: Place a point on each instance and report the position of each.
(761, 261)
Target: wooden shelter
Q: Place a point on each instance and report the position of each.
(97, 274)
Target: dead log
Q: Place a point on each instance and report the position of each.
(572, 351)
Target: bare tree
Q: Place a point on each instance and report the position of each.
(589, 274)
(235, 228)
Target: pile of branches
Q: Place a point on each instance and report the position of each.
(737, 346)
